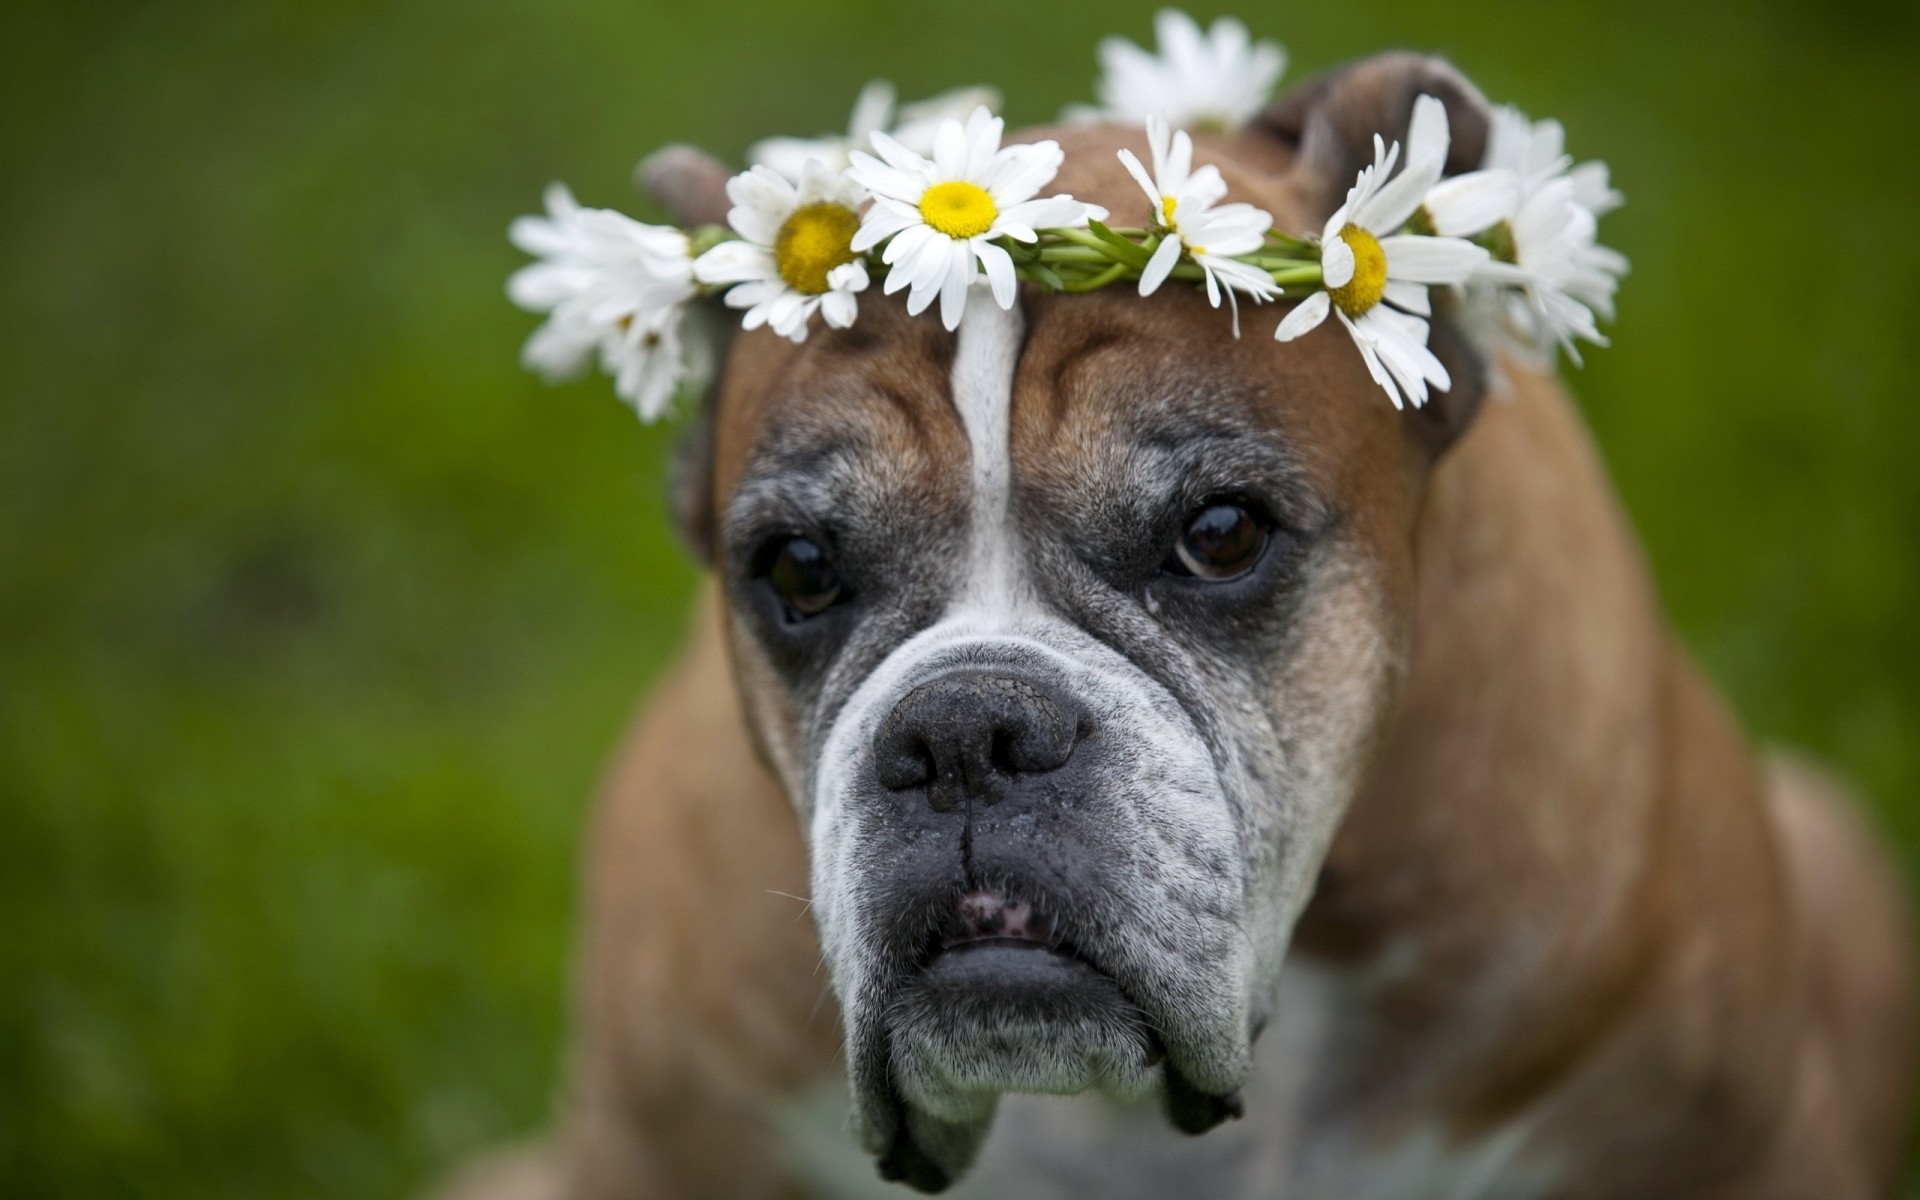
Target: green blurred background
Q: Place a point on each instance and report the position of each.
(318, 617)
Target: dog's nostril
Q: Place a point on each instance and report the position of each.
(1001, 754)
(904, 762)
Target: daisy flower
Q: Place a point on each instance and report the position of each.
(1549, 245)
(913, 127)
(796, 257)
(1184, 201)
(609, 284)
(945, 214)
(1216, 80)
(1377, 277)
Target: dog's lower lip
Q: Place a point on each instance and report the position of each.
(989, 917)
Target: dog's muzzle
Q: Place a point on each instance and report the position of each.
(1003, 906)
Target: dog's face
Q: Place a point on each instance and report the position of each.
(1069, 636)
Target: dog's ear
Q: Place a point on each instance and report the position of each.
(690, 485)
(691, 183)
(1330, 122)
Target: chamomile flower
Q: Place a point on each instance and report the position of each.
(913, 126)
(609, 284)
(944, 214)
(1184, 204)
(1377, 277)
(1548, 248)
(796, 256)
(1215, 80)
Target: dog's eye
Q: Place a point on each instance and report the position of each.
(1222, 541)
(803, 575)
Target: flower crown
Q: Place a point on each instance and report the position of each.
(930, 198)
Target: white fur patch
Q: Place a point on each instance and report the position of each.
(984, 360)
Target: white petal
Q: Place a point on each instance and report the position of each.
(923, 115)
(872, 110)
(1591, 189)
(999, 267)
(820, 183)
(919, 298)
(1141, 177)
(1244, 278)
(1178, 165)
(953, 292)
(755, 293)
(906, 186)
(1467, 204)
(848, 277)
(950, 150)
(885, 218)
(1165, 256)
(1427, 134)
(907, 243)
(1431, 259)
(559, 349)
(1336, 262)
(1389, 207)
(984, 131)
(1305, 317)
(1019, 172)
(932, 260)
(894, 155)
(789, 156)
(1402, 341)
(731, 262)
(1205, 187)
(1371, 358)
(839, 309)
(1055, 212)
(1410, 296)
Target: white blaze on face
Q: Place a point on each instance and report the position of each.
(985, 357)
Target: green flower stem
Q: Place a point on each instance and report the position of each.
(1271, 263)
(1301, 274)
(1297, 246)
(1079, 237)
(1094, 283)
(1086, 260)
(1075, 254)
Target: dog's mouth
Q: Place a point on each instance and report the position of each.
(1003, 999)
(988, 918)
(1003, 959)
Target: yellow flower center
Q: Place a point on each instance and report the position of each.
(959, 210)
(1369, 281)
(813, 242)
(815, 239)
(1167, 205)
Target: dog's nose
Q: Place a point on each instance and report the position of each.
(969, 733)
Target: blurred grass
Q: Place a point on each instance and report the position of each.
(317, 617)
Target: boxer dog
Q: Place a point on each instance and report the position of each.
(1163, 716)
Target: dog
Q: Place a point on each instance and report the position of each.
(1159, 716)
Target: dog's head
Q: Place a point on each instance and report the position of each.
(1070, 637)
